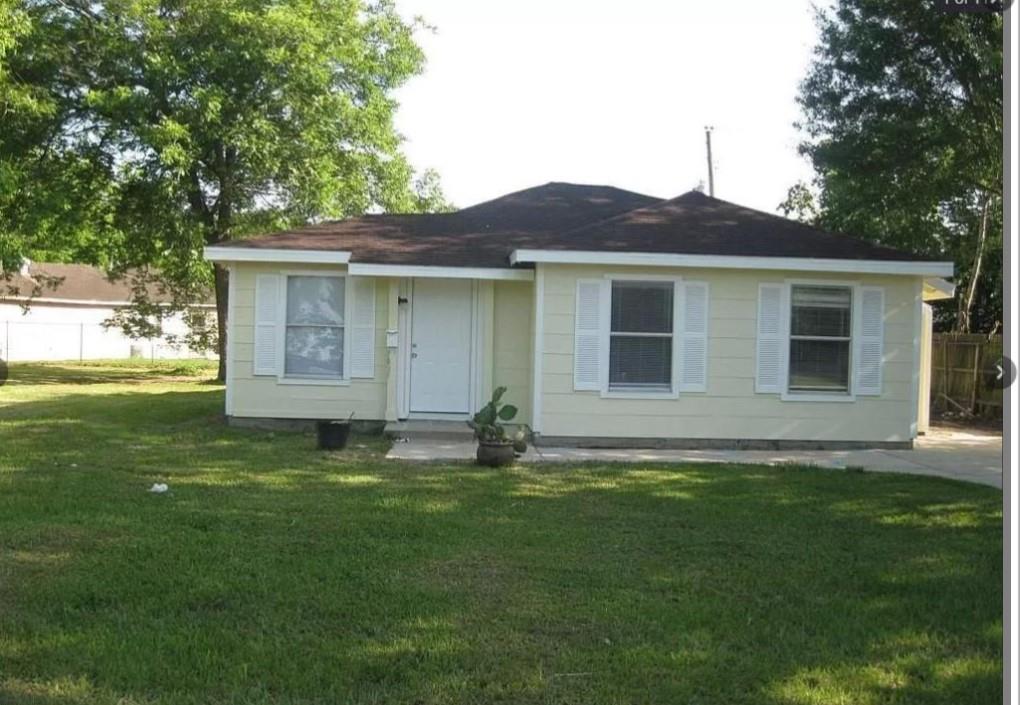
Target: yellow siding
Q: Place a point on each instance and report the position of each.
(730, 409)
(512, 335)
(506, 355)
(264, 397)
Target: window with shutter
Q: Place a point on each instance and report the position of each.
(641, 336)
(820, 341)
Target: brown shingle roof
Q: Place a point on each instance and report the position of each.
(560, 216)
(696, 224)
(71, 283)
(483, 235)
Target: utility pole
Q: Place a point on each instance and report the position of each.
(711, 175)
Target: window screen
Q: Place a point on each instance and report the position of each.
(315, 327)
(820, 339)
(641, 336)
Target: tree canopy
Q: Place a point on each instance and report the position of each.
(142, 130)
(903, 120)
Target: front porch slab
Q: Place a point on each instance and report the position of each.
(429, 429)
(432, 449)
(972, 456)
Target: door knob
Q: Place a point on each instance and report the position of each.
(414, 355)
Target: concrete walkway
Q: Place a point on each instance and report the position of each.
(969, 455)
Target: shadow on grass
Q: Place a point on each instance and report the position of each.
(272, 573)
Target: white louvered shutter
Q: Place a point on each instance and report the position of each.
(869, 341)
(694, 338)
(588, 335)
(267, 322)
(768, 376)
(362, 327)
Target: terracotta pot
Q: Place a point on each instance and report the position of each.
(495, 455)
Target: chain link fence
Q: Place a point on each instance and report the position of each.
(22, 341)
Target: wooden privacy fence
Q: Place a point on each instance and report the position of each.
(959, 365)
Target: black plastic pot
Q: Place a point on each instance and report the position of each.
(333, 434)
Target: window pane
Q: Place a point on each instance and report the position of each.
(820, 365)
(640, 361)
(314, 352)
(315, 301)
(642, 307)
(821, 310)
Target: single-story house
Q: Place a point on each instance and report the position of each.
(57, 312)
(613, 318)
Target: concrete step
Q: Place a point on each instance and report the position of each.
(427, 429)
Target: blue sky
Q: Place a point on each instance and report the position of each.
(524, 92)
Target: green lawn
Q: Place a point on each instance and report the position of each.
(274, 573)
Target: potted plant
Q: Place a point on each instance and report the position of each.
(495, 448)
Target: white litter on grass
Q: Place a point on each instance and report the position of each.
(159, 487)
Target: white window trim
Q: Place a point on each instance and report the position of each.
(606, 335)
(281, 334)
(538, 347)
(626, 394)
(231, 335)
(855, 319)
(405, 304)
(915, 377)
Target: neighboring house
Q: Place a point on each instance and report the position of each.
(613, 318)
(56, 312)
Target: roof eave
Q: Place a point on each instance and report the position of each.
(434, 272)
(938, 289)
(227, 254)
(797, 264)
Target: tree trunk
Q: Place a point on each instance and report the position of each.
(966, 304)
(222, 278)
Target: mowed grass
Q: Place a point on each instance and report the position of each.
(274, 573)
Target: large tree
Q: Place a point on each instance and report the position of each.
(162, 126)
(903, 116)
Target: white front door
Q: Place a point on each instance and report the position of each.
(441, 346)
